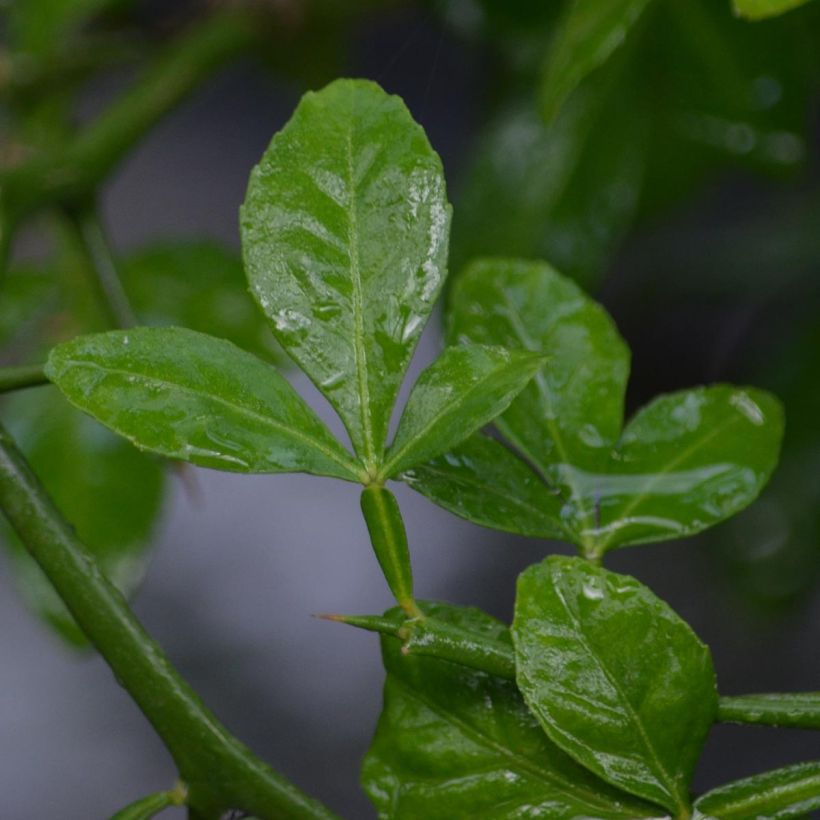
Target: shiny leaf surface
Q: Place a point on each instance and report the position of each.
(591, 31)
(782, 794)
(483, 481)
(189, 396)
(345, 230)
(615, 677)
(759, 9)
(685, 462)
(453, 743)
(464, 389)
(109, 491)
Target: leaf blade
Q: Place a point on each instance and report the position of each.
(639, 721)
(349, 282)
(464, 389)
(189, 396)
(484, 482)
(453, 742)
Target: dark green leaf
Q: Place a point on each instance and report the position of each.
(685, 462)
(110, 492)
(591, 31)
(483, 481)
(615, 677)
(345, 229)
(759, 9)
(782, 794)
(464, 389)
(454, 743)
(190, 396)
(199, 285)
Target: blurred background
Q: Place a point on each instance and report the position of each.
(678, 182)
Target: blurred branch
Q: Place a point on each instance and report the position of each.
(16, 378)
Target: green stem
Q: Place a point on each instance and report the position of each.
(74, 174)
(99, 263)
(799, 710)
(389, 538)
(220, 772)
(16, 378)
(146, 807)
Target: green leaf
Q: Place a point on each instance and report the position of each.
(591, 31)
(110, 492)
(483, 481)
(782, 794)
(199, 285)
(453, 743)
(760, 9)
(464, 389)
(614, 676)
(29, 298)
(685, 462)
(189, 396)
(345, 229)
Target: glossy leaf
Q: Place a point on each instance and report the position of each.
(199, 285)
(464, 389)
(614, 676)
(189, 396)
(760, 9)
(782, 794)
(453, 742)
(591, 31)
(109, 491)
(685, 462)
(345, 229)
(483, 481)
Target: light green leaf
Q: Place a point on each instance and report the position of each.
(686, 461)
(200, 285)
(483, 481)
(782, 794)
(454, 743)
(189, 396)
(614, 676)
(591, 31)
(345, 229)
(760, 9)
(110, 492)
(464, 389)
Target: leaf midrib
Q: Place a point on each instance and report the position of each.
(523, 763)
(648, 745)
(240, 409)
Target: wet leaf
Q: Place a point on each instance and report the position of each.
(782, 794)
(685, 462)
(453, 742)
(464, 389)
(189, 396)
(109, 491)
(483, 481)
(614, 676)
(759, 9)
(591, 31)
(345, 229)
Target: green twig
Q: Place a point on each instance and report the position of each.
(220, 772)
(17, 378)
(99, 263)
(799, 710)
